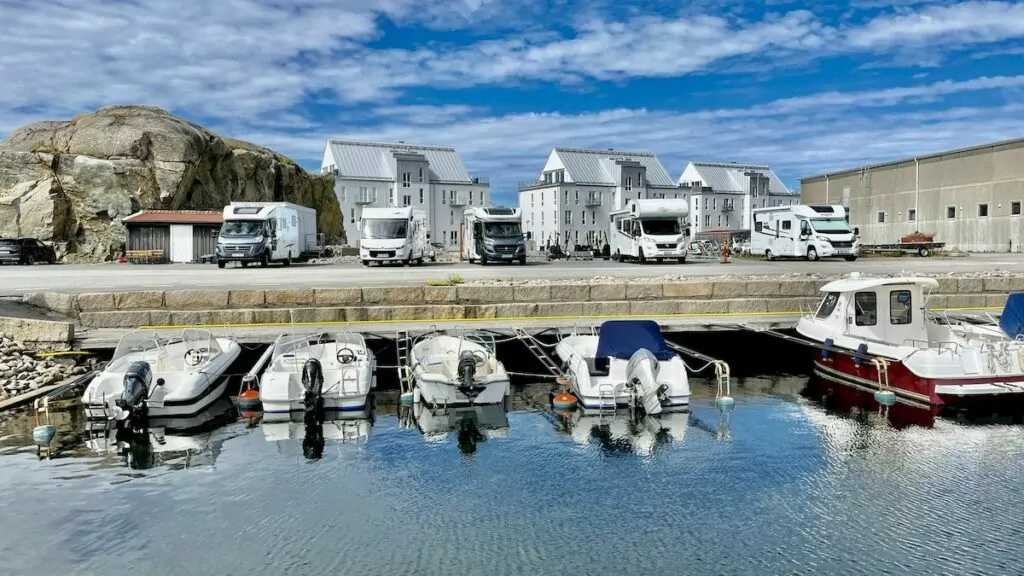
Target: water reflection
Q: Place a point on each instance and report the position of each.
(473, 425)
(839, 399)
(314, 431)
(623, 431)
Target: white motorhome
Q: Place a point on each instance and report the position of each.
(267, 232)
(803, 231)
(493, 235)
(650, 229)
(394, 234)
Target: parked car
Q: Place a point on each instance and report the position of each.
(25, 251)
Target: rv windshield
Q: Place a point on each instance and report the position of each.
(385, 229)
(241, 228)
(830, 226)
(661, 227)
(502, 229)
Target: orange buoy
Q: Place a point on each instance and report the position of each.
(564, 401)
(249, 403)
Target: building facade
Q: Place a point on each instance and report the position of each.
(968, 198)
(382, 174)
(570, 202)
(722, 194)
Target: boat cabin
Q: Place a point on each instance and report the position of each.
(889, 310)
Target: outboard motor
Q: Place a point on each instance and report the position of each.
(466, 370)
(313, 382)
(136, 388)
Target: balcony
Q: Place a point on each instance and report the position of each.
(481, 180)
(727, 208)
(457, 200)
(593, 200)
(365, 197)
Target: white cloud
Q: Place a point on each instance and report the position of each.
(958, 24)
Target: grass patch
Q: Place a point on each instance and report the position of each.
(453, 280)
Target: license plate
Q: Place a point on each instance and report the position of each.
(504, 255)
(842, 251)
(237, 255)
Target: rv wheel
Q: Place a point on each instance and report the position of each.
(642, 258)
(851, 258)
(221, 263)
(812, 254)
(522, 260)
(767, 254)
(682, 260)
(366, 262)
(265, 260)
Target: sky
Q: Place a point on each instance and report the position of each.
(803, 88)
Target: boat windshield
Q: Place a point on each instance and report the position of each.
(194, 349)
(380, 229)
(241, 228)
(661, 227)
(502, 230)
(291, 352)
(831, 226)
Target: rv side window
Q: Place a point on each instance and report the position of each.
(757, 226)
(865, 308)
(899, 307)
(828, 304)
(787, 225)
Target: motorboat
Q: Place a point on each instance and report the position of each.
(332, 372)
(625, 363)
(875, 334)
(154, 376)
(458, 370)
(624, 431)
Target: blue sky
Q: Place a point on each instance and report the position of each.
(799, 87)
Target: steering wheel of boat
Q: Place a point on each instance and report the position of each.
(480, 357)
(194, 356)
(345, 356)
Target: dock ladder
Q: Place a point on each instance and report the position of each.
(536, 348)
(402, 348)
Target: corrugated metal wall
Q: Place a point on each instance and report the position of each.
(204, 241)
(150, 238)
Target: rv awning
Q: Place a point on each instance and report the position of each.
(622, 338)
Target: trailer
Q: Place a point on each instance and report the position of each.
(921, 248)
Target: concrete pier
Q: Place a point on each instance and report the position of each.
(97, 319)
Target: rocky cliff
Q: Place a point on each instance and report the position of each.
(72, 182)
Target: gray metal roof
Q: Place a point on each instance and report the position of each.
(595, 166)
(728, 177)
(371, 160)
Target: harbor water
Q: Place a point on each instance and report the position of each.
(794, 480)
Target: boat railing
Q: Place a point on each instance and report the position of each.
(942, 346)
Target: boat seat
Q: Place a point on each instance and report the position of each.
(598, 366)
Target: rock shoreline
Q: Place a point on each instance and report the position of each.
(20, 372)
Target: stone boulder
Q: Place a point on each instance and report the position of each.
(72, 182)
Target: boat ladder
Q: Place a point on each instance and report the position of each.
(606, 398)
(404, 372)
(349, 375)
(536, 348)
(882, 372)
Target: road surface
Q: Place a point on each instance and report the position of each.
(18, 280)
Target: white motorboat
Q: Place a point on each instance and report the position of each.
(458, 370)
(623, 432)
(153, 376)
(627, 362)
(335, 372)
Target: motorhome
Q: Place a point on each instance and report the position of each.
(803, 231)
(394, 234)
(650, 229)
(493, 235)
(266, 232)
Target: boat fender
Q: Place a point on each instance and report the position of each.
(862, 352)
(43, 435)
(408, 398)
(564, 402)
(249, 402)
(826, 349)
(885, 397)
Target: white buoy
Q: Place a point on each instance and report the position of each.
(416, 395)
(885, 397)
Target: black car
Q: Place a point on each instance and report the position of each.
(25, 251)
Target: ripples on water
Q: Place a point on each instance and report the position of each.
(782, 487)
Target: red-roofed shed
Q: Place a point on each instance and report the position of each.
(173, 235)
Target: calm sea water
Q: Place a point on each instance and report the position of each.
(779, 486)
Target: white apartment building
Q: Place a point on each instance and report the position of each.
(432, 178)
(722, 194)
(570, 202)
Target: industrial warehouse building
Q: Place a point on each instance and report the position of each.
(172, 235)
(968, 198)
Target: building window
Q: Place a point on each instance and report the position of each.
(1015, 208)
(583, 217)
(568, 217)
(726, 220)
(707, 220)
(421, 195)
(391, 197)
(899, 307)
(951, 212)
(421, 174)
(982, 210)
(531, 199)
(719, 220)
(714, 203)
(451, 217)
(443, 199)
(865, 306)
(881, 217)
(352, 215)
(577, 197)
(912, 215)
(629, 183)
(406, 200)
(567, 197)
(470, 197)
(344, 194)
(406, 179)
